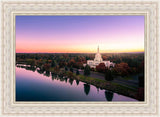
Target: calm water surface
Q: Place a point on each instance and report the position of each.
(35, 86)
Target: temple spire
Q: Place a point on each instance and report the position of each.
(98, 49)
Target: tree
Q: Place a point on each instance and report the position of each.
(122, 69)
(39, 63)
(47, 61)
(61, 64)
(141, 81)
(78, 65)
(71, 69)
(31, 62)
(141, 67)
(93, 69)
(104, 58)
(70, 74)
(46, 66)
(52, 63)
(71, 62)
(77, 72)
(56, 69)
(101, 67)
(87, 70)
(108, 75)
(66, 69)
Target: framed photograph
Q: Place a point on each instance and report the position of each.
(79, 58)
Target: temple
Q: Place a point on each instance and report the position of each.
(97, 60)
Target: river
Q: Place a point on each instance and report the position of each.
(32, 85)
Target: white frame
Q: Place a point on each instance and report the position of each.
(11, 9)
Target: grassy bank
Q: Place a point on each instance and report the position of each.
(103, 84)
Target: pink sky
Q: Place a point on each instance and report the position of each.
(79, 34)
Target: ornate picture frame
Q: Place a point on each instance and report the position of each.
(9, 11)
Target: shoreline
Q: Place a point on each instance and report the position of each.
(99, 83)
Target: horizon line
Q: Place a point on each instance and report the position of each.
(73, 52)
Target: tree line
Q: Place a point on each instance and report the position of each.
(126, 64)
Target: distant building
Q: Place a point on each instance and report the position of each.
(97, 60)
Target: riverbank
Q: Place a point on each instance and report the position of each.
(99, 83)
(103, 84)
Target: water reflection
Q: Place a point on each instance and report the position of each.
(97, 89)
(61, 78)
(86, 88)
(53, 76)
(109, 95)
(77, 82)
(65, 79)
(79, 91)
(47, 73)
(28, 67)
(71, 81)
(40, 71)
(31, 68)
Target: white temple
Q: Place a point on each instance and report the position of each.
(97, 60)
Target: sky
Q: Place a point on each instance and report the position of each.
(79, 34)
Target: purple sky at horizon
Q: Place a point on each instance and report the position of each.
(79, 34)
